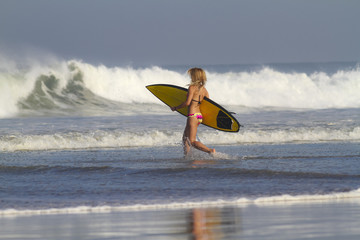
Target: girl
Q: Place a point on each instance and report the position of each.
(195, 95)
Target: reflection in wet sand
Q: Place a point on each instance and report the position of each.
(213, 223)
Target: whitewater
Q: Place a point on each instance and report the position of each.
(66, 87)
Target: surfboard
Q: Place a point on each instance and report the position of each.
(214, 115)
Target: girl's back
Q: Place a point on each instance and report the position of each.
(199, 94)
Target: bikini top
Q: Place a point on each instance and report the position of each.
(199, 102)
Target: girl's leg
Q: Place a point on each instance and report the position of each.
(186, 139)
(193, 125)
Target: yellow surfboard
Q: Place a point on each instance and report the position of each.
(214, 115)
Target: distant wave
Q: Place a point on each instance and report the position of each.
(151, 138)
(64, 87)
(353, 196)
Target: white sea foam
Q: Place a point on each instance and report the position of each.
(314, 134)
(65, 84)
(127, 85)
(268, 87)
(353, 196)
(97, 139)
(151, 138)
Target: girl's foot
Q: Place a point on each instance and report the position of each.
(212, 151)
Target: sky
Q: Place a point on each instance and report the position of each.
(172, 32)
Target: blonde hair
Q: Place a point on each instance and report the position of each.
(198, 77)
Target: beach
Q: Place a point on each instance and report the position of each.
(82, 159)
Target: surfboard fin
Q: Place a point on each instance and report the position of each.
(223, 121)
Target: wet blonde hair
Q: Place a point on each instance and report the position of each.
(198, 77)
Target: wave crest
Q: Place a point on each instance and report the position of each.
(65, 87)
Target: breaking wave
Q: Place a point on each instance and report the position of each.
(68, 87)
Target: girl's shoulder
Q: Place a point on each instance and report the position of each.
(203, 89)
(205, 92)
(193, 88)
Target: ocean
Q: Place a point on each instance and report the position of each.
(87, 152)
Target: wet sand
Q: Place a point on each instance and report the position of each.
(336, 219)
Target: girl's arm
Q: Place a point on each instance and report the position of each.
(190, 95)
